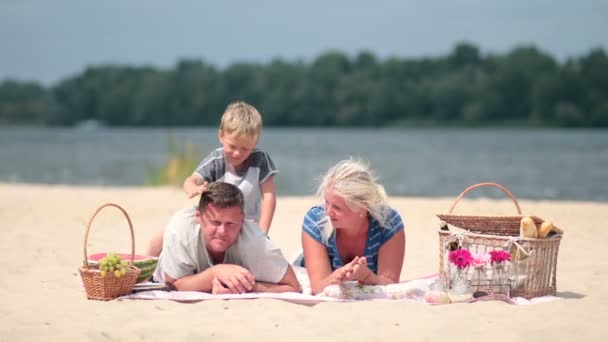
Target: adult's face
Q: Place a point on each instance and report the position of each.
(340, 214)
(220, 227)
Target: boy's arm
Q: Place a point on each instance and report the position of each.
(269, 203)
(195, 185)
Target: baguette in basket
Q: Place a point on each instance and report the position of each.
(545, 228)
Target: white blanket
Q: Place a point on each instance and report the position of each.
(408, 290)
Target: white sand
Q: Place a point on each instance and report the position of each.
(42, 231)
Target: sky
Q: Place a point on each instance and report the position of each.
(46, 41)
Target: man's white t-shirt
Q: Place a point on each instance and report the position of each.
(184, 252)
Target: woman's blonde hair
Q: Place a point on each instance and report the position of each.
(357, 184)
(243, 119)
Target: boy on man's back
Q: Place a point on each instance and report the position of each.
(237, 162)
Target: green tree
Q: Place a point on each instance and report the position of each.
(26, 103)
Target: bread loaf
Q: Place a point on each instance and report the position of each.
(544, 229)
(527, 228)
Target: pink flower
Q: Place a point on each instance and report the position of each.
(461, 258)
(480, 259)
(499, 256)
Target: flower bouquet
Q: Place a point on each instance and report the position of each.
(500, 261)
(460, 288)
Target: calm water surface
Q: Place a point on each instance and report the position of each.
(535, 164)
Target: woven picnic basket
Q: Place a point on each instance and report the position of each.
(110, 286)
(531, 276)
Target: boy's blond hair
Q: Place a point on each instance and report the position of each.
(243, 119)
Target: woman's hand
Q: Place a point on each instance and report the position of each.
(355, 270)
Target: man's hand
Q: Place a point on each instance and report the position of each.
(235, 278)
(195, 190)
(219, 288)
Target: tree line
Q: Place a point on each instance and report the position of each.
(524, 86)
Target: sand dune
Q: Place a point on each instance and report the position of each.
(42, 231)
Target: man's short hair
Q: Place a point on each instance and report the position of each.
(221, 195)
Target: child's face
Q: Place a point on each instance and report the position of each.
(237, 148)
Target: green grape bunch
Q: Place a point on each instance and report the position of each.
(113, 264)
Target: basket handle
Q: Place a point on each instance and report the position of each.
(479, 185)
(86, 236)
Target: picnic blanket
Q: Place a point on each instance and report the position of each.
(411, 290)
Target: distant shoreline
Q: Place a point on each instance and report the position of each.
(171, 189)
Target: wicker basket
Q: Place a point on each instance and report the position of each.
(532, 276)
(110, 286)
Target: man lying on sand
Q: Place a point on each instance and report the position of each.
(211, 248)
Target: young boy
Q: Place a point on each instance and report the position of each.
(237, 162)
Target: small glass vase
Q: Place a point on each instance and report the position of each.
(480, 275)
(480, 279)
(437, 293)
(460, 289)
(499, 277)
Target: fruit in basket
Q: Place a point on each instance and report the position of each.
(114, 264)
(544, 229)
(527, 228)
(147, 264)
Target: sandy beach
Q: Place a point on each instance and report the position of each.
(42, 231)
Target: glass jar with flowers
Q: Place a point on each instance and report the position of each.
(499, 260)
(480, 260)
(460, 289)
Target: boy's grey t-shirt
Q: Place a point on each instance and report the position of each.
(184, 252)
(256, 170)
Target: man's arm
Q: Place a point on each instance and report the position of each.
(236, 278)
(269, 203)
(197, 282)
(289, 283)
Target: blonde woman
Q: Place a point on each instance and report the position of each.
(354, 235)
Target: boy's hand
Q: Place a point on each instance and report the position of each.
(195, 190)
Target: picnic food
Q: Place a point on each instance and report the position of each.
(117, 278)
(147, 264)
(113, 264)
(544, 229)
(527, 228)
